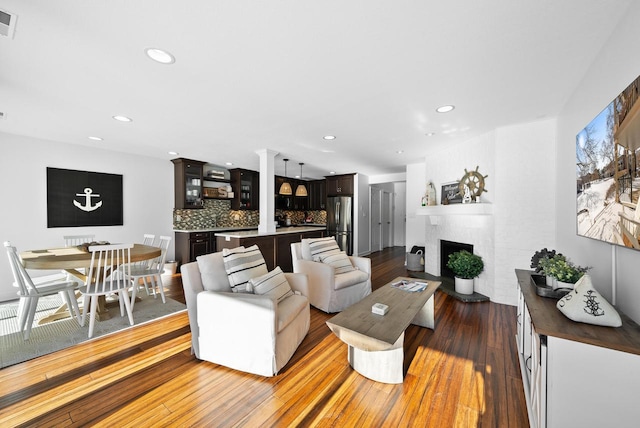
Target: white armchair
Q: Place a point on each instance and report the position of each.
(248, 332)
(330, 292)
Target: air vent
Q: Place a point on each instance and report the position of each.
(7, 24)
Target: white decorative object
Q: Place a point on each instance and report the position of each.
(464, 285)
(585, 304)
(379, 309)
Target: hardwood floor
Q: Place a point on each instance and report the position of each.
(462, 374)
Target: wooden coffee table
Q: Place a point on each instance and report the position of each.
(376, 341)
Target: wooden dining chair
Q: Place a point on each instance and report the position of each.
(153, 271)
(105, 278)
(30, 291)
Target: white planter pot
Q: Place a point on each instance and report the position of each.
(550, 280)
(560, 284)
(463, 285)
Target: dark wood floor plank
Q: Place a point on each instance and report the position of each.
(463, 373)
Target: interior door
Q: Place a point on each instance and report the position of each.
(376, 220)
(387, 230)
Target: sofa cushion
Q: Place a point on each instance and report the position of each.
(289, 309)
(214, 277)
(242, 264)
(348, 279)
(585, 304)
(339, 261)
(273, 284)
(312, 248)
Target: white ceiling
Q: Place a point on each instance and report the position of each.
(281, 74)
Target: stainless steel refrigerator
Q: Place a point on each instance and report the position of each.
(340, 221)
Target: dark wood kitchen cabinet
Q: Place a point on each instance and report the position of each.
(317, 194)
(340, 185)
(189, 245)
(187, 183)
(246, 189)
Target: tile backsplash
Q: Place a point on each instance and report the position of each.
(218, 213)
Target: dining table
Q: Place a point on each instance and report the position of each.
(76, 261)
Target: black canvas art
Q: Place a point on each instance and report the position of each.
(83, 198)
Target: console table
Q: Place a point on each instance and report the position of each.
(575, 374)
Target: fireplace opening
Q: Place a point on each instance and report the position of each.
(450, 247)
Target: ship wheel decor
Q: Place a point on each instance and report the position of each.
(471, 186)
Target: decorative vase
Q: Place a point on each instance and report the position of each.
(560, 284)
(464, 285)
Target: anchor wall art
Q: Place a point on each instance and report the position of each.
(83, 198)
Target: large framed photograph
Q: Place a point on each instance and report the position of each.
(83, 198)
(450, 193)
(608, 172)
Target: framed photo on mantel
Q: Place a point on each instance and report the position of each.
(83, 198)
(450, 193)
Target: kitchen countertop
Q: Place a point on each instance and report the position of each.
(291, 229)
(214, 229)
(279, 231)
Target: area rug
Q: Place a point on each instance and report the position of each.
(54, 336)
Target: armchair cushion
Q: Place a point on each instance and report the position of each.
(289, 308)
(273, 284)
(348, 279)
(242, 264)
(214, 277)
(339, 261)
(312, 248)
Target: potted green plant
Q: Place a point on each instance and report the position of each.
(465, 266)
(563, 271)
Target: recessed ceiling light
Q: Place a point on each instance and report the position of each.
(329, 137)
(95, 138)
(174, 153)
(445, 109)
(228, 163)
(122, 118)
(399, 152)
(332, 172)
(430, 134)
(163, 57)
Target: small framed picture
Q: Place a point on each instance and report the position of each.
(450, 194)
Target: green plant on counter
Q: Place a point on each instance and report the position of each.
(562, 269)
(539, 257)
(465, 264)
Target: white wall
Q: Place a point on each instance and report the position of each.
(416, 185)
(361, 203)
(147, 193)
(399, 213)
(615, 67)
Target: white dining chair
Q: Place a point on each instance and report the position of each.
(153, 271)
(75, 240)
(30, 292)
(105, 278)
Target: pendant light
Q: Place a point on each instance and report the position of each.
(301, 190)
(285, 188)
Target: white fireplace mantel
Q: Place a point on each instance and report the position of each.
(456, 209)
(435, 212)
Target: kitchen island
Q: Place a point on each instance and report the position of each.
(275, 246)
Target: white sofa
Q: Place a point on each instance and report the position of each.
(330, 292)
(247, 332)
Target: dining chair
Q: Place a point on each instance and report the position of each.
(30, 291)
(150, 240)
(104, 278)
(153, 271)
(75, 240)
